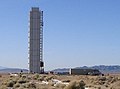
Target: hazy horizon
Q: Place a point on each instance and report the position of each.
(76, 32)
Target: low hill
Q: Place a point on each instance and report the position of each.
(2, 67)
(12, 70)
(102, 68)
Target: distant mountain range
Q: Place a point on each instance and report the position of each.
(102, 68)
(12, 70)
(2, 67)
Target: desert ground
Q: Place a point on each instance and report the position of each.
(50, 81)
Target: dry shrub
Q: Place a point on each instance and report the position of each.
(3, 87)
(102, 78)
(36, 76)
(99, 87)
(49, 78)
(4, 83)
(61, 86)
(32, 85)
(10, 84)
(16, 85)
(76, 85)
(71, 86)
(24, 76)
(41, 78)
(66, 81)
(22, 81)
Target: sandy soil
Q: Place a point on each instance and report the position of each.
(37, 81)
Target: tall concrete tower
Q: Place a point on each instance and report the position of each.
(36, 64)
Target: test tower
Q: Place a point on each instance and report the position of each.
(36, 64)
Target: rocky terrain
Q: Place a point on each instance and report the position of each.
(38, 81)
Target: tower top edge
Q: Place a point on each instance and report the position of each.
(35, 9)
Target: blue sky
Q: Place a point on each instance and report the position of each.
(76, 32)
